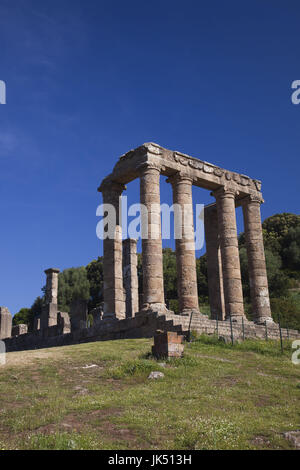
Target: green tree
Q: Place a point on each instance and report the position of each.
(22, 317)
(72, 284)
(94, 272)
(291, 249)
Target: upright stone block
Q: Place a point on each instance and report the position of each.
(214, 263)
(5, 323)
(167, 344)
(78, 314)
(130, 277)
(63, 321)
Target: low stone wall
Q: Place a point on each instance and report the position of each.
(143, 325)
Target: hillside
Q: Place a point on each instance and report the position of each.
(98, 396)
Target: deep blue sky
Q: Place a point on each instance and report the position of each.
(88, 80)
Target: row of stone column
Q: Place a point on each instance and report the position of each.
(223, 263)
(224, 272)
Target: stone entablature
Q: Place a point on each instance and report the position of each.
(203, 174)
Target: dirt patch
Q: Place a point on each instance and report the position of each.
(99, 419)
(261, 441)
(25, 358)
(226, 381)
(262, 401)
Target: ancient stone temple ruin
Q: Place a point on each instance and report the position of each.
(229, 191)
(129, 313)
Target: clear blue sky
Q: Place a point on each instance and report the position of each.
(88, 80)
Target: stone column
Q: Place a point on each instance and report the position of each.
(153, 283)
(5, 323)
(49, 311)
(214, 263)
(114, 302)
(259, 290)
(233, 293)
(185, 244)
(130, 277)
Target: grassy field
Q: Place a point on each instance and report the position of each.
(98, 396)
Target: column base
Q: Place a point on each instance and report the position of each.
(109, 317)
(265, 320)
(188, 312)
(155, 307)
(238, 319)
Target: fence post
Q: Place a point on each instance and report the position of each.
(243, 327)
(189, 331)
(288, 332)
(280, 334)
(231, 330)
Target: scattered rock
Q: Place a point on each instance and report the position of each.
(227, 340)
(162, 364)
(156, 375)
(293, 437)
(81, 390)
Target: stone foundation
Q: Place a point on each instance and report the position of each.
(144, 325)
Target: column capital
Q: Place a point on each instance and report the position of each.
(179, 178)
(146, 167)
(253, 199)
(111, 187)
(52, 271)
(224, 192)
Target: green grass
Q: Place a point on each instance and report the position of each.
(217, 397)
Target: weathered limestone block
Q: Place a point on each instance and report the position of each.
(259, 290)
(153, 284)
(20, 329)
(51, 285)
(63, 322)
(185, 244)
(233, 293)
(167, 344)
(5, 323)
(130, 277)
(49, 316)
(214, 263)
(78, 314)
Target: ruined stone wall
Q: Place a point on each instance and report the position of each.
(143, 326)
